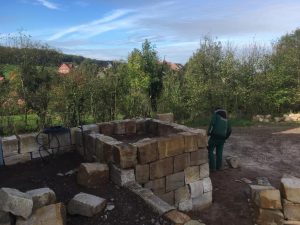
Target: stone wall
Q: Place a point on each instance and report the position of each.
(24, 147)
(169, 159)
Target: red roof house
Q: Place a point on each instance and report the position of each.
(65, 68)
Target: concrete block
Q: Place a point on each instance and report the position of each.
(174, 181)
(181, 162)
(28, 142)
(142, 173)
(290, 187)
(199, 157)
(120, 176)
(125, 155)
(182, 194)
(42, 197)
(291, 210)
(86, 205)
(170, 146)
(10, 145)
(146, 150)
(161, 168)
(158, 186)
(192, 174)
(92, 175)
(47, 215)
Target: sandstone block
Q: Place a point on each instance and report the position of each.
(204, 170)
(167, 117)
(142, 173)
(146, 150)
(38, 154)
(269, 217)
(92, 175)
(181, 162)
(130, 126)
(177, 218)
(18, 158)
(158, 186)
(28, 142)
(291, 188)
(164, 129)
(64, 140)
(47, 215)
(10, 145)
(158, 205)
(119, 127)
(139, 190)
(182, 194)
(174, 181)
(168, 197)
(233, 161)
(199, 157)
(91, 145)
(140, 126)
(125, 155)
(170, 146)
(161, 168)
(15, 202)
(202, 202)
(192, 174)
(152, 126)
(291, 210)
(91, 128)
(196, 188)
(254, 189)
(190, 141)
(42, 197)
(106, 128)
(108, 147)
(186, 205)
(86, 205)
(207, 185)
(73, 131)
(194, 222)
(121, 177)
(4, 218)
(268, 199)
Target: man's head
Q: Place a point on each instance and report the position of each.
(221, 112)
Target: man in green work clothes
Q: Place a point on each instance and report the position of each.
(219, 130)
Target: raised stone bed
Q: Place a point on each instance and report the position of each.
(164, 157)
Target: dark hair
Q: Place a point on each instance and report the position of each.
(221, 112)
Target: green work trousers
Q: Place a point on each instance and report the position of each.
(218, 144)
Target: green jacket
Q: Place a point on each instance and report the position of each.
(219, 127)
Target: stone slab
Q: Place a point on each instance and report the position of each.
(86, 205)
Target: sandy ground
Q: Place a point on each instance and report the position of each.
(265, 151)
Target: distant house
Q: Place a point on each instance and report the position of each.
(1, 78)
(65, 68)
(173, 66)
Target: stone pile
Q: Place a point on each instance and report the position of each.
(172, 163)
(277, 207)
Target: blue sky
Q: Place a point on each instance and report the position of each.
(110, 29)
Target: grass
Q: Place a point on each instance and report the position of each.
(205, 122)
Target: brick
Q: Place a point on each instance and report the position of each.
(181, 162)
(161, 168)
(192, 174)
(18, 158)
(10, 145)
(182, 194)
(202, 202)
(268, 199)
(121, 177)
(28, 142)
(106, 128)
(199, 157)
(204, 170)
(170, 146)
(291, 210)
(174, 181)
(190, 141)
(196, 188)
(146, 150)
(177, 218)
(291, 188)
(142, 173)
(125, 155)
(158, 186)
(167, 197)
(130, 126)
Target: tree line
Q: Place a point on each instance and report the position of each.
(254, 81)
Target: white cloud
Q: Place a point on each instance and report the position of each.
(48, 4)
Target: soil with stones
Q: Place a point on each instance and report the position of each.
(128, 208)
(264, 151)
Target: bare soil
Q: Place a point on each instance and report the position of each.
(264, 151)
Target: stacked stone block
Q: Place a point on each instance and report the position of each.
(171, 163)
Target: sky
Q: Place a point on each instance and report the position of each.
(111, 29)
